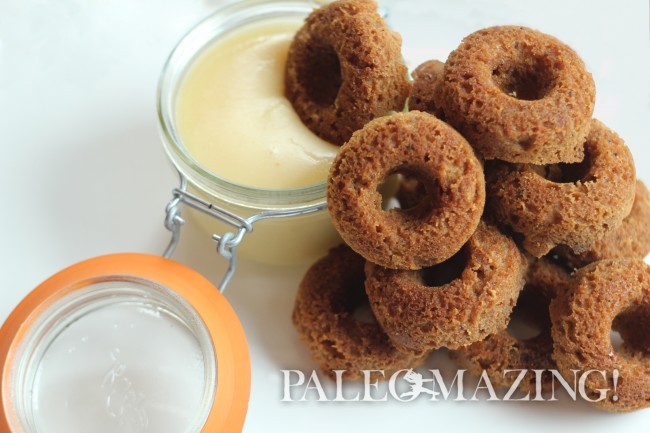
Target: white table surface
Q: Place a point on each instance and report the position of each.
(83, 173)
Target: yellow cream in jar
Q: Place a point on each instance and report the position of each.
(234, 120)
(231, 132)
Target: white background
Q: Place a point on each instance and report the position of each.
(83, 173)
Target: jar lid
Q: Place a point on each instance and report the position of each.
(124, 342)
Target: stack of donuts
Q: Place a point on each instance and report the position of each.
(512, 202)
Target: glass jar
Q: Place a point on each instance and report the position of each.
(300, 229)
(124, 343)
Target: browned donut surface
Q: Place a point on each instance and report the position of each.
(323, 314)
(504, 351)
(569, 204)
(582, 321)
(519, 95)
(549, 275)
(630, 240)
(345, 68)
(455, 303)
(425, 94)
(420, 146)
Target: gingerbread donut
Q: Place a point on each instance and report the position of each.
(582, 321)
(455, 303)
(630, 240)
(345, 68)
(505, 351)
(519, 95)
(421, 146)
(425, 94)
(570, 204)
(323, 315)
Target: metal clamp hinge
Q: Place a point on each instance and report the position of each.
(226, 243)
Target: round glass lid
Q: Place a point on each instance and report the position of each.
(124, 352)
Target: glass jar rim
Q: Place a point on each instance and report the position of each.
(192, 44)
(229, 404)
(92, 296)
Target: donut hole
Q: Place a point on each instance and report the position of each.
(447, 271)
(388, 189)
(411, 192)
(530, 316)
(363, 313)
(527, 78)
(320, 74)
(632, 326)
(521, 328)
(567, 173)
(356, 302)
(406, 189)
(616, 340)
(557, 259)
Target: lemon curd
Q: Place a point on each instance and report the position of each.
(234, 120)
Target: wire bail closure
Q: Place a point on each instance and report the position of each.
(226, 243)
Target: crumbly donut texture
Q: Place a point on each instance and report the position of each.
(428, 149)
(435, 273)
(323, 315)
(582, 322)
(503, 351)
(425, 94)
(345, 68)
(549, 211)
(467, 309)
(519, 95)
(630, 240)
(549, 275)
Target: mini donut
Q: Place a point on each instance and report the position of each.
(582, 322)
(455, 303)
(503, 351)
(425, 93)
(549, 206)
(323, 315)
(418, 145)
(344, 68)
(630, 240)
(519, 95)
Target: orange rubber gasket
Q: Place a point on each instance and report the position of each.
(231, 398)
